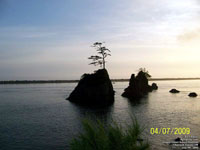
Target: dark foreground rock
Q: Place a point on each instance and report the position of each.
(138, 87)
(178, 139)
(93, 90)
(193, 94)
(174, 91)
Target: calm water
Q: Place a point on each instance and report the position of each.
(37, 116)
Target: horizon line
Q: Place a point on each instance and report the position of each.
(75, 81)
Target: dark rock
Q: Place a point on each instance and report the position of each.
(154, 86)
(174, 91)
(193, 94)
(93, 90)
(138, 86)
(178, 139)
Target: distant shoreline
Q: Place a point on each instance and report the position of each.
(75, 81)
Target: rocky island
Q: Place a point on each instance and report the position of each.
(93, 90)
(192, 94)
(138, 86)
(174, 91)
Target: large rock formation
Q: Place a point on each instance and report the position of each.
(93, 90)
(138, 86)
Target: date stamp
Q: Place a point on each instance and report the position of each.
(170, 131)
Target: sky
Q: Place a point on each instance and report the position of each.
(48, 39)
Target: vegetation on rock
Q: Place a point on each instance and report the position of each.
(138, 86)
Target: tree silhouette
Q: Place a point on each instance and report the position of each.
(103, 51)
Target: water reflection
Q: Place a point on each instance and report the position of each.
(104, 114)
(38, 116)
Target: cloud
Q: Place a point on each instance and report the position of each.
(190, 36)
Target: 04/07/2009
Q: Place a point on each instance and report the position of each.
(165, 131)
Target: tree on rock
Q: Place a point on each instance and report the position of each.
(103, 52)
(146, 72)
(95, 89)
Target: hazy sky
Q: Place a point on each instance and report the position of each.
(49, 39)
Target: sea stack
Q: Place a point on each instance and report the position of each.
(93, 90)
(138, 86)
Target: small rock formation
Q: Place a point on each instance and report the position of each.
(93, 90)
(193, 94)
(178, 139)
(138, 86)
(174, 91)
(154, 86)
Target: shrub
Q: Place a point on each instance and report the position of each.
(97, 136)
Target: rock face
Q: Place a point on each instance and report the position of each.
(138, 87)
(174, 91)
(93, 90)
(193, 94)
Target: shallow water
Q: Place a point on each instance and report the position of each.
(37, 116)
